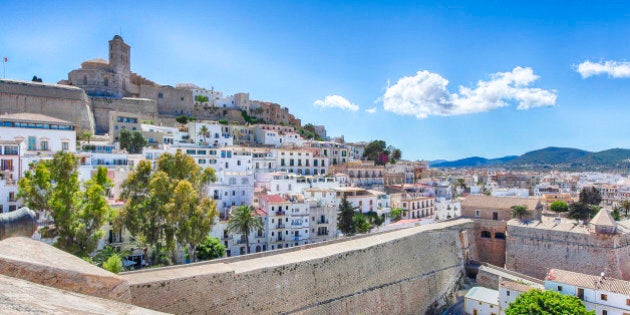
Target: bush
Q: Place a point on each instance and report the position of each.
(113, 264)
(211, 248)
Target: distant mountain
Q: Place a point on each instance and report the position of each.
(552, 158)
(550, 155)
(475, 161)
(436, 162)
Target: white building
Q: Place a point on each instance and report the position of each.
(509, 291)
(24, 139)
(215, 135)
(481, 301)
(287, 220)
(604, 295)
(447, 209)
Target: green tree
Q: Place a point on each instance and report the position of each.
(396, 155)
(616, 214)
(243, 221)
(590, 196)
(133, 142)
(195, 217)
(361, 223)
(211, 248)
(201, 99)
(396, 213)
(86, 135)
(520, 212)
(582, 211)
(345, 219)
(113, 264)
(559, 206)
(167, 205)
(546, 302)
(78, 212)
(374, 149)
(182, 119)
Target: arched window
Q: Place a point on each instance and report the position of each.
(499, 235)
(486, 234)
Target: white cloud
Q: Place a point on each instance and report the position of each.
(371, 110)
(336, 101)
(426, 94)
(614, 69)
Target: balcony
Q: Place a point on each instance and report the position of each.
(227, 237)
(281, 226)
(241, 241)
(279, 239)
(279, 212)
(322, 233)
(11, 199)
(324, 221)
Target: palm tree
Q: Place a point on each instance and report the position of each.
(204, 132)
(243, 221)
(520, 212)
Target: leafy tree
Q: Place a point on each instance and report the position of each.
(374, 149)
(113, 264)
(78, 212)
(103, 254)
(36, 79)
(195, 216)
(133, 142)
(559, 206)
(223, 121)
(345, 219)
(396, 154)
(201, 99)
(167, 205)
(243, 221)
(396, 213)
(86, 135)
(616, 214)
(582, 211)
(361, 223)
(547, 302)
(182, 119)
(590, 196)
(520, 212)
(211, 248)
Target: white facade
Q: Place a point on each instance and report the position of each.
(599, 293)
(217, 135)
(481, 301)
(447, 209)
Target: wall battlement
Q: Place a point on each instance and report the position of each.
(405, 271)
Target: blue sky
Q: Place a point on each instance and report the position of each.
(441, 80)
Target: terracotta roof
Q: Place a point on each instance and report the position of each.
(603, 218)
(261, 212)
(33, 117)
(589, 281)
(521, 287)
(503, 203)
(273, 198)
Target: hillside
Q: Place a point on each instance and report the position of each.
(553, 158)
(550, 155)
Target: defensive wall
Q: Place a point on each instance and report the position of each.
(535, 247)
(409, 271)
(59, 101)
(490, 241)
(102, 106)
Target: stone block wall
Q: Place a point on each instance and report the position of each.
(102, 106)
(407, 271)
(489, 249)
(533, 251)
(59, 101)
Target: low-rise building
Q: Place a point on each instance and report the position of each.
(481, 301)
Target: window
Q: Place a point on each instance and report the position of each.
(32, 144)
(559, 288)
(65, 146)
(628, 302)
(499, 235)
(603, 297)
(160, 95)
(477, 213)
(508, 292)
(486, 234)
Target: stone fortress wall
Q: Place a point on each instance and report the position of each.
(102, 106)
(60, 101)
(401, 272)
(533, 249)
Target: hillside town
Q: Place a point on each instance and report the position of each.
(268, 182)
